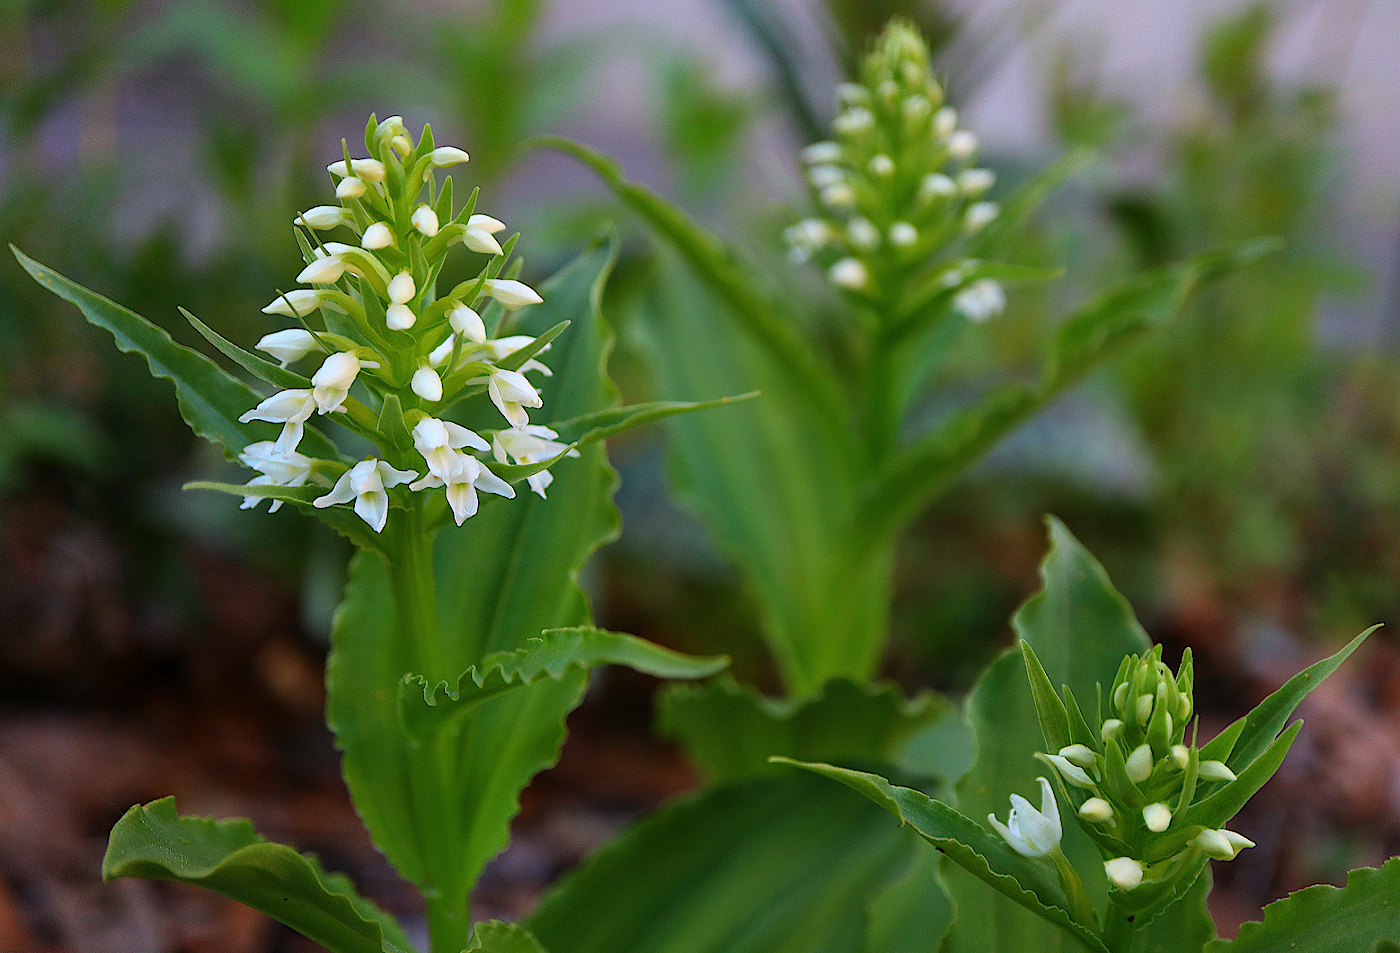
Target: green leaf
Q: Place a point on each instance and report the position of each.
(913, 914)
(230, 858)
(1363, 915)
(731, 730)
(266, 370)
(427, 709)
(773, 865)
(494, 936)
(1079, 629)
(1215, 810)
(1029, 882)
(606, 423)
(508, 574)
(1248, 737)
(1184, 927)
(211, 400)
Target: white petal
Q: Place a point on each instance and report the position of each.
(459, 437)
(486, 223)
(462, 498)
(340, 493)
(295, 304)
(447, 155)
(390, 477)
(426, 384)
(466, 322)
(401, 288)
(373, 508)
(480, 240)
(377, 236)
(351, 187)
(323, 216)
(288, 346)
(512, 293)
(425, 220)
(399, 317)
(322, 271)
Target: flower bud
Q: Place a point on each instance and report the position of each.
(1139, 764)
(447, 155)
(511, 293)
(426, 384)
(1072, 773)
(863, 234)
(1221, 844)
(854, 121)
(368, 170)
(1215, 771)
(980, 215)
(401, 145)
(936, 185)
(1144, 709)
(973, 182)
(882, 166)
(322, 271)
(425, 220)
(962, 144)
(350, 188)
(903, 235)
(1157, 817)
(1111, 729)
(401, 288)
(295, 304)
(466, 322)
(849, 273)
(377, 236)
(822, 176)
(820, 153)
(399, 317)
(980, 301)
(1096, 810)
(1124, 872)
(323, 217)
(916, 107)
(838, 196)
(288, 346)
(945, 121)
(1081, 755)
(1182, 756)
(852, 94)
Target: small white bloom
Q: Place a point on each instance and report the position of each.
(903, 235)
(849, 273)
(840, 196)
(1157, 817)
(980, 215)
(916, 107)
(1139, 764)
(821, 152)
(863, 234)
(881, 166)
(1215, 771)
(511, 392)
(855, 120)
(323, 217)
(945, 121)
(981, 300)
(1070, 772)
(1031, 833)
(370, 170)
(399, 317)
(278, 468)
(498, 349)
(295, 304)
(465, 476)
(1221, 844)
(377, 236)
(425, 220)
(288, 346)
(962, 144)
(366, 484)
(1111, 729)
(512, 293)
(401, 288)
(326, 270)
(291, 408)
(331, 384)
(390, 126)
(447, 155)
(351, 187)
(426, 384)
(852, 94)
(466, 322)
(1124, 872)
(530, 444)
(1096, 810)
(437, 440)
(936, 185)
(480, 234)
(822, 176)
(973, 182)
(1081, 755)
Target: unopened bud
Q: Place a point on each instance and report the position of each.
(1096, 810)
(401, 288)
(962, 144)
(1157, 817)
(447, 155)
(350, 188)
(425, 220)
(399, 317)
(1081, 755)
(1124, 872)
(1144, 709)
(1111, 729)
(881, 165)
(1215, 771)
(1182, 756)
(819, 153)
(903, 235)
(849, 273)
(466, 322)
(945, 121)
(378, 235)
(863, 234)
(1139, 764)
(426, 384)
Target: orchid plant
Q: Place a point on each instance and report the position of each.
(463, 639)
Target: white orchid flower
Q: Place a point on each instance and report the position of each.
(378, 235)
(511, 392)
(466, 322)
(278, 468)
(512, 293)
(437, 440)
(370, 170)
(366, 484)
(530, 444)
(465, 476)
(323, 217)
(325, 270)
(425, 220)
(331, 384)
(291, 408)
(295, 304)
(479, 236)
(1030, 832)
(288, 346)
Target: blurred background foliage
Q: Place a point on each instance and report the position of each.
(1239, 473)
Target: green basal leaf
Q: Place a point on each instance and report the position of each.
(228, 857)
(1026, 881)
(772, 865)
(593, 427)
(427, 709)
(914, 913)
(495, 936)
(266, 370)
(1248, 737)
(731, 730)
(439, 812)
(1361, 916)
(211, 400)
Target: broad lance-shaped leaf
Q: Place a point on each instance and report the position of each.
(785, 864)
(266, 370)
(510, 573)
(211, 400)
(771, 487)
(1361, 917)
(606, 423)
(494, 936)
(1027, 881)
(427, 709)
(228, 857)
(731, 730)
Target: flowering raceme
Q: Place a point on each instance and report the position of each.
(390, 344)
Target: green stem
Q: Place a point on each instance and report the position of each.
(1079, 906)
(448, 929)
(410, 558)
(1118, 932)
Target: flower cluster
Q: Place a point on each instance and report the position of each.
(394, 355)
(897, 189)
(1134, 781)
